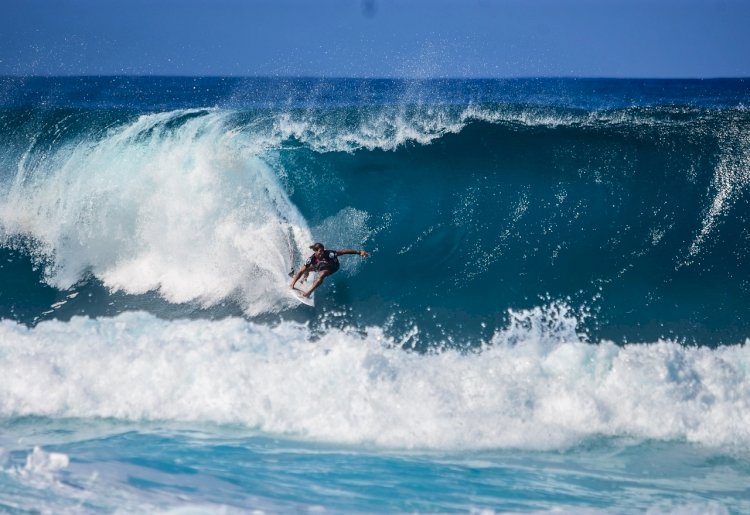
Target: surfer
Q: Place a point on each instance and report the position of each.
(323, 261)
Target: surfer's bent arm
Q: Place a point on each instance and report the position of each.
(362, 253)
(302, 270)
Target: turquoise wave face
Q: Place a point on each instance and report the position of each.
(623, 200)
(641, 225)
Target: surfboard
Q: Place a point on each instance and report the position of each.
(298, 294)
(302, 286)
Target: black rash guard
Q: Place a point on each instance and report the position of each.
(328, 261)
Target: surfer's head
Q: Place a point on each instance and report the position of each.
(317, 246)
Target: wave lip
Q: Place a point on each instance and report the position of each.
(170, 202)
(534, 386)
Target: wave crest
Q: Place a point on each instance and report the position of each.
(170, 203)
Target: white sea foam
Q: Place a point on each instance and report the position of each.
(171, 202)
(535, 385)
(41, 469)
(386, 129)
(391, 127)
(40, 462)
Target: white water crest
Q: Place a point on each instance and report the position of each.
(173, 202)
(535, 385)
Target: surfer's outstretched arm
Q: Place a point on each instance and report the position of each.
(362, 253)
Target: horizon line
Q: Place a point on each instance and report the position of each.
(373, 78)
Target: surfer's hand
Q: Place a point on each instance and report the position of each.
(363, 253)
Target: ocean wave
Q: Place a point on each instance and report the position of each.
(534, 385)
(167, 203)
(214, 206)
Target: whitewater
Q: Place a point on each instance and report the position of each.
(553, 316)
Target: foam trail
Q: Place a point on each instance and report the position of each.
(731, 176)
(173, 202)
(535, 385)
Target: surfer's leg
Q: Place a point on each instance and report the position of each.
(321, 276)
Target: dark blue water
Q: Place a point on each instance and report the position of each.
(568, 258)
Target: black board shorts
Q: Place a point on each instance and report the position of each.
(332, 268)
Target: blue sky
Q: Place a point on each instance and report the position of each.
(377, 38)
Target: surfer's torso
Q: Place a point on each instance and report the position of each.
(328, 260)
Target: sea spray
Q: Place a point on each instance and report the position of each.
(168, 203)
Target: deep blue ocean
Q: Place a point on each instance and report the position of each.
(554, 315)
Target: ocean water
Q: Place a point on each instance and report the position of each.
(554, 315)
